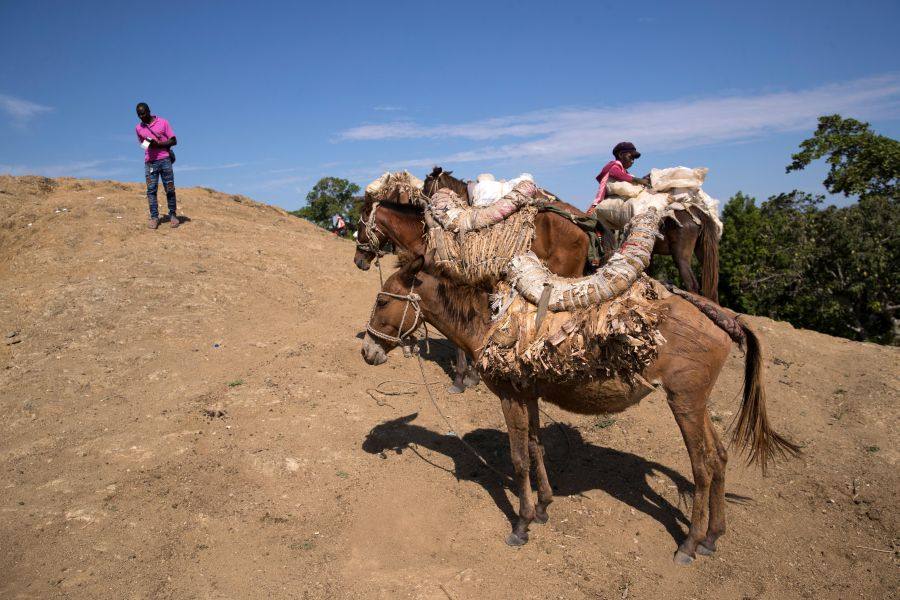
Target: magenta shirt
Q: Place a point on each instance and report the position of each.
(615, 170)
(159, 130)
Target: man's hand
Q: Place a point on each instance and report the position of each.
(641, 181)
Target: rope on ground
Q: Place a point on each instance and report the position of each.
(504, 479)
(409, 392)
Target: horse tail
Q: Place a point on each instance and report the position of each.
(752, 431)
(709, 250)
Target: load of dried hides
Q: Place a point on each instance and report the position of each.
(401, 187)
(530, 277)
(615, 339)
(473, 245)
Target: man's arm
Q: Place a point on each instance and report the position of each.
(165, 143)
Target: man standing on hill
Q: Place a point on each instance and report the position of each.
(155, 135)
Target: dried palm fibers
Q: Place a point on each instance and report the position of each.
(473, 245)
(401, 187)
(530, 277)
(615, 339)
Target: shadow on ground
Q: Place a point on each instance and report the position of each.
(574, 466)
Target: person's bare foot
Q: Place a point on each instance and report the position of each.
(174, 221)
(153, 223)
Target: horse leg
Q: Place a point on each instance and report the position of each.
(690, 414)
(716, 527)
(681, 243)
(536, 450)
(471, 378)
(516, 415)
(459, 384)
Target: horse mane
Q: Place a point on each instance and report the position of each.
(464, 304)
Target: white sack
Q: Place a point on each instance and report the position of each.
(486, 189)
(623, 189)
(662, 180)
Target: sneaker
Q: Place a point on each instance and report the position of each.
(153, 223)
(174, 221)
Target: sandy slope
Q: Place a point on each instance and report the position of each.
(184, 414)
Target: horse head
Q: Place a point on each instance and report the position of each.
(396, 314)
(369, 238)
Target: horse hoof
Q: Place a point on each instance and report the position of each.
(683, 559)
(705, 550)
(471, 380)
(515, 540)
(541, 516)
(456, 389)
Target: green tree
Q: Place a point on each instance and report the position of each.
(330, 196)
(861, 161)
(832, 270)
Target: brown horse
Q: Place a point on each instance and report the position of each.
(557, 241)
(687, 367)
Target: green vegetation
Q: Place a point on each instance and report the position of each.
(331, 195)
(236, 383)
(818, 267)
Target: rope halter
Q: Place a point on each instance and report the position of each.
(372, 245)
(403, 338)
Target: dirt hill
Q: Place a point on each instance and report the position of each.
(185, 414)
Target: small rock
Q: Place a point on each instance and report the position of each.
(12, 334)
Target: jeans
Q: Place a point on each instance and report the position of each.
(153, 171)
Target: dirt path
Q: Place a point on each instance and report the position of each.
(184, 414)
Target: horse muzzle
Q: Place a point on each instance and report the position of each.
(372, 352)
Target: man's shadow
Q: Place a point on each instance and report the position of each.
(573, 466)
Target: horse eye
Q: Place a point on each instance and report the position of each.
(381, 303)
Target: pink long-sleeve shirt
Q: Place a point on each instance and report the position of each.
(613, 169)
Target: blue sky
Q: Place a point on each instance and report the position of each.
(267, 97)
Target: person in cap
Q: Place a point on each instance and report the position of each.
(624, 156)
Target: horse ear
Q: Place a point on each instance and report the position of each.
(436, 171)
(409, 270)
(448, 172)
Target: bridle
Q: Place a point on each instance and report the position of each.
(403, 338)
(372, 245)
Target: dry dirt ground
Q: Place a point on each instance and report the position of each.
(185, 414)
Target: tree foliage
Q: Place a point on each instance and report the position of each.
(330, 196)
(862, 163)
(832, 270)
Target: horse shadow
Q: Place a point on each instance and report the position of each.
(574, 466)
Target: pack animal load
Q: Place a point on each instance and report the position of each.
(474, 245)
(401, 187)
(681, 186)
(602, 327)
(608, 344)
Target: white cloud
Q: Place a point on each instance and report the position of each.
(21, 111)
(571, 134)
(388, 108)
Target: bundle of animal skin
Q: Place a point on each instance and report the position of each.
(486, 190)
(455, 215)
(679, 187)
(401, 187)
(528, 275)
(474, 245)
(608, 344)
